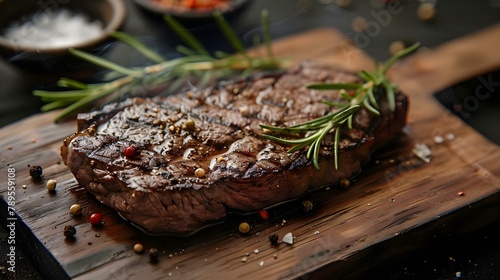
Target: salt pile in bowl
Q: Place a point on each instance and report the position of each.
(53, 29)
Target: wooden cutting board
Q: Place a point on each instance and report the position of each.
(393, 206)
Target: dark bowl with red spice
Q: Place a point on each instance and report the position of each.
(193, 11)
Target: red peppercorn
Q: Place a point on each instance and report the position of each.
(264, 215)
(131, 151)
(95, 219)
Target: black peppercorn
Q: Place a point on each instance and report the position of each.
(273, 238)
(36, 172)
(307, 206)
(69, 231)
(153, 255)
(344, 183)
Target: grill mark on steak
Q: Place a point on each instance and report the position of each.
(158, 190)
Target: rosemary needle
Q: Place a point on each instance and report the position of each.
(139, 46)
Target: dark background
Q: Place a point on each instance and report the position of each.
(475, 255)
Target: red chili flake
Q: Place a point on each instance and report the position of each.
(95, 219)
(264, 215)
(131, 151)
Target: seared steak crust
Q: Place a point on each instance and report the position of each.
(159, 189)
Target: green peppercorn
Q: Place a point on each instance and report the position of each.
(188, 125)
(138, 248)
(426, 11)
(75, 209)
(244, 227)
(307, 206)
(51, 185)
(199, 173)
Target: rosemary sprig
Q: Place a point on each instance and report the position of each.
(197, 64)
(311, 133)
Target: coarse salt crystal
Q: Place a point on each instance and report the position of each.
(438, 139)
(61, 28)
(423, 152)
(288, 238)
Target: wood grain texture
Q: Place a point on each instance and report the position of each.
(396, 195)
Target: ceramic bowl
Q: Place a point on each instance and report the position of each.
(109, 14)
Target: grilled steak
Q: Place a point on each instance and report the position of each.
(156, 185)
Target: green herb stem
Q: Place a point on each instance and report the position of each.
(398, 56)
(185, 35)
(138, 46)
(266, 31)
(102, 62)
(230, 34)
